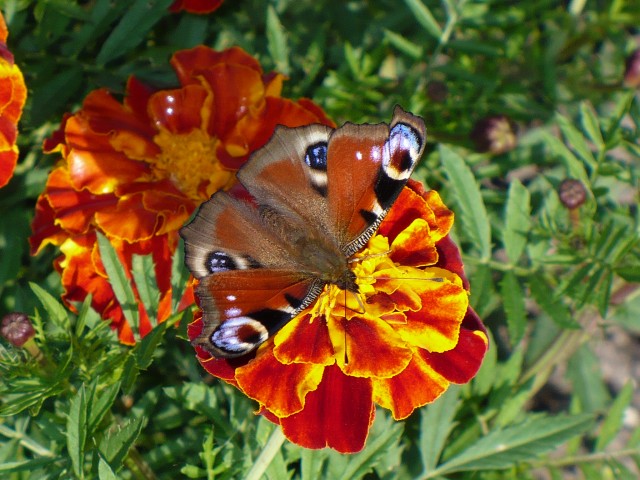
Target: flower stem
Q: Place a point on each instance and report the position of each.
(268, 453)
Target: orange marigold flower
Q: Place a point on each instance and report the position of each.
(196, 6)
(135, 170)
(416, 336)
(13, 94)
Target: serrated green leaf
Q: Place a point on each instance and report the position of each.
(631, 273)
(473, 213)
(436, 423)
(77, 431)
(179, 275)
(145, 279)
(486, 376)
(54, 309)
(147, 347)
(423, 16)
(119, 281)
(575, 168)
(27, 465)
(505, 448)
(102, 404)
(576, 140)
(517, 220)
(514, 308)
(114, 447)
(591, 125)
(403, 44)
(132, 28)
(614, 420)
(277, 41)
(542, 293)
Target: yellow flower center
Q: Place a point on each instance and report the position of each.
(190, 161)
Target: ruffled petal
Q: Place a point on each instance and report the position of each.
(417, 385)
(301, 378)
(308, 331)
(337, 414)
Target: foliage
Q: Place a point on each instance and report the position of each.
(548, 281)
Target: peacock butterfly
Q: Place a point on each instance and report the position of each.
(319, 194)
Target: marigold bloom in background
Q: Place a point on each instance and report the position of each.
(13, 94)
(321, 375)
(196, 6)
(135, 170)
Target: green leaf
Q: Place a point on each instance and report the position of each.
(179, 275)
(311, 463)
(403, 44)
(577, 141)
(132, 28)
(614, 420)
(514, 308)
(542, 293)
(100, 406)
(591, 125)
(473, 212)
(505, 448)
(146, 348)
(436, 423)
(575, 168)
(55, 311)
(423, 16)
(517, 220)
(115, 447)
(585, 374)
(277, 41)
(119, 281)
(145, 279)
(77, 431)
(104, 470)
(27, 465)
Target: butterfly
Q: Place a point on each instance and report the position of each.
(318, 195)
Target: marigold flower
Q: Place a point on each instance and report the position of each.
(135, 170)
(409, 337)
(196, 6)
(13, 94)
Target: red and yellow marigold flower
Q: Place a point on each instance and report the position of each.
(135, 170)
(13, 94)
(321, 375)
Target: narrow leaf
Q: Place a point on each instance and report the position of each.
(115, 447)
(542, 293)
(514, 308)
(102, 405)
(575, 168)
(473, 212)
(104, 470)
(311, 463)
(614, 420)
(277, 41)
(55, 311)
(424, 17)
(504, 448)
(591, 125)
(577, 141)
(132, 28)
(403, 44)
(517, 220)
(119, 281)
(145, 280)
(77, 431)
(436, 423)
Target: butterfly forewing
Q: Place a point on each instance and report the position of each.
(368, 167)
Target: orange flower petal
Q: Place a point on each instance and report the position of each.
(368, 347)
(444, 303)
(128, 220)
(307, 331)
(408, 248)
(301, 378)
(337, 414)
(180, 110)
(416, 386)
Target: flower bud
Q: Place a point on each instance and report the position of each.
(572, 193)
(17, 329)
(632, 70)
(495, 134)
(437, 91)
